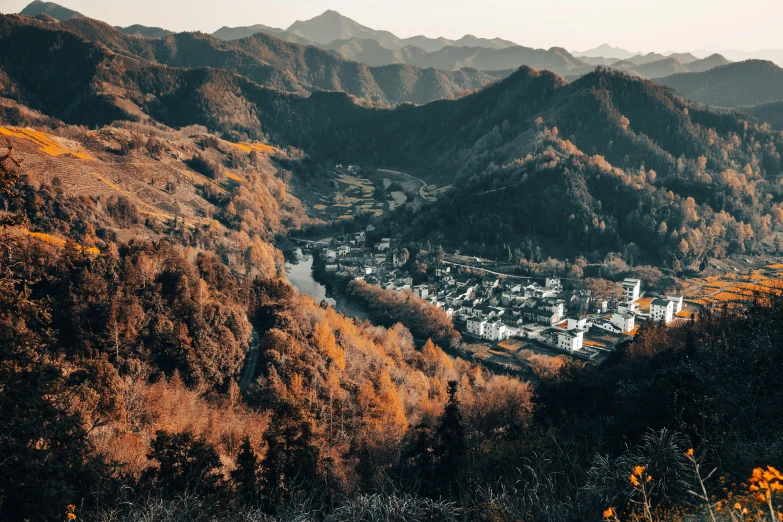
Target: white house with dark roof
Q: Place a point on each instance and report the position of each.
(632, 289)
(662, 310)
(477, 326)
(677, 300)
(570, 340)
(624, 322)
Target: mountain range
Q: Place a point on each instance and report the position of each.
(355, 42)
(263, 59)
(617, 53)
(751, 82)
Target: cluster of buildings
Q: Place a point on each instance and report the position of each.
(493, 308)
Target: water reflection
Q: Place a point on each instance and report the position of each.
(299, 270)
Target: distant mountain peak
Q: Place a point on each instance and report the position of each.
(607, 51)
(56, 11)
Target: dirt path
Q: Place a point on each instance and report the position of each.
(249, 371)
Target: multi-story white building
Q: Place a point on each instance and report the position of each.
(632, 288)
(662, 310)
(554, 283)
(624, 322)
(677, 300)
(477, 326)
(570, 340)
(422, 291)
(496, 331)
(576, 323)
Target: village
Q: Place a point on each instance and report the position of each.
(509, 313)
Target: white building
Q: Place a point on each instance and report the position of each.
(384, 245)
(632, 288)
(624, 322)
(422, 291)
(578, 324)
(662, 310)
(570, 340)
(677, 300)
(496, 331)
(554, 283)
(477, 326)
(628, 308)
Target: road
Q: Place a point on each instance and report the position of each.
(397, 172)
(486, 270)
(249, 371)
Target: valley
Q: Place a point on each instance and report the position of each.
(311, 270)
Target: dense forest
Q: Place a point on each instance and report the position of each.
(155, 363)
(120, 399)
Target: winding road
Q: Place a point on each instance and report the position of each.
(249, 371)
(398, 173)
(486, 270)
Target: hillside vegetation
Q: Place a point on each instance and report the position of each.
(262, 59)
(751, 82)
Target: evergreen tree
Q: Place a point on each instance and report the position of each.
(291, 457)
(187, 464)
(450, 448)
(245, 475)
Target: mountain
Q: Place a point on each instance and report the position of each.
(772, 55)
(263, 59)
(452, 58)
(654, 69)
(149, 32)
(642, 59)
(771, 113)
(618, 128)
(705, 64)
(668, 66)
(372, 52)
(751, 82)
(472, 41)
(555, 59)
(237, 33)
(684, 58)
(606, 51)
(330, 28)
(49, 8)
(331, 25)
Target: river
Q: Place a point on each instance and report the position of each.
(299, 270)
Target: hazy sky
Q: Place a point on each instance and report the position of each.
(637, 25)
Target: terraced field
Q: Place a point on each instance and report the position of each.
(353, 195)
(161, 188)
(732, 288)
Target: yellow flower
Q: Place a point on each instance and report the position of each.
(761, 497)
(638, 470)
(634, 480)
(649, 478)
(737, 506)
(689, 453)
(71, 516)
(609, 513)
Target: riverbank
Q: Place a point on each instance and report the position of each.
(308, 276)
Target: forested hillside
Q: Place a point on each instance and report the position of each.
(119, 397)
(751, 82)
(721, 165)
(263, 59)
